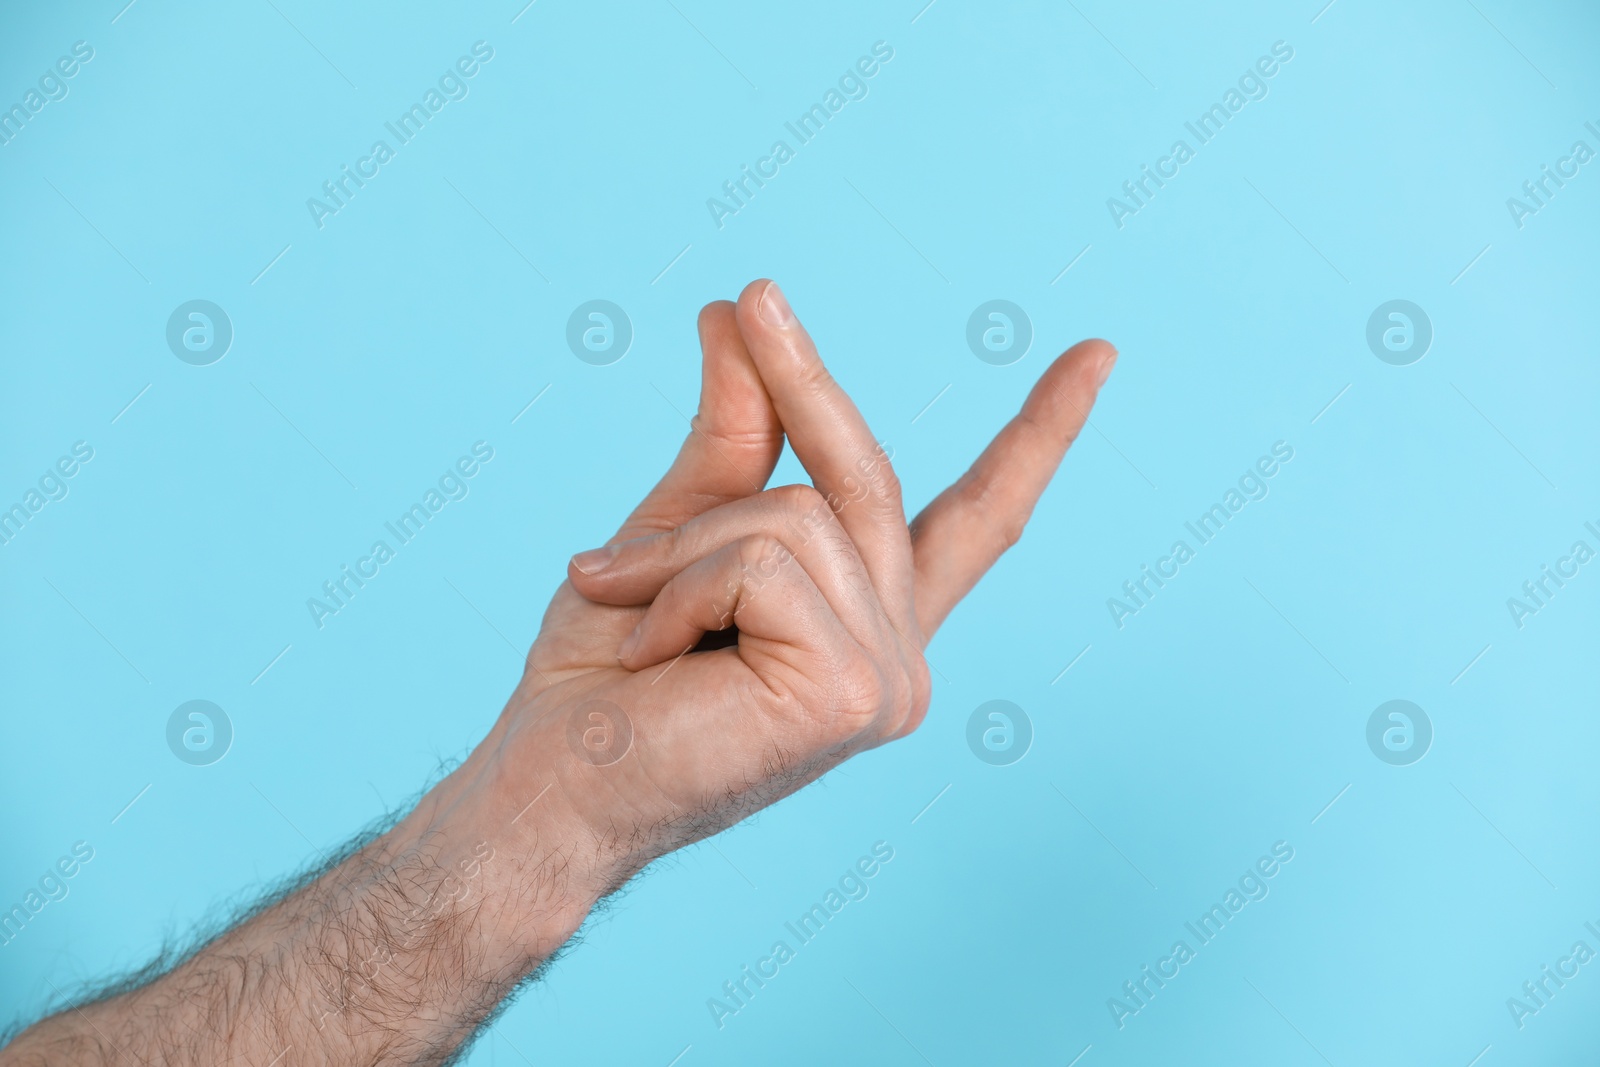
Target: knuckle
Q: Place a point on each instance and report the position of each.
(799, 510)
(875, 698)
(884, 474)
(794, 501)
(1069, 435)
(752, 548)
(720, 435)
(860, 696)
(875, 481)
(760, 555)
(1007, 531)
(981, 510)
(815, 378)
(920, 686)
(975, 494)
(674, 544)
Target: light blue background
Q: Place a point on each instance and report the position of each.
(1221, 719)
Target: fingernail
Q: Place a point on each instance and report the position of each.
(595, 559)
(1107, 361)
(773, 307)
(629, 643)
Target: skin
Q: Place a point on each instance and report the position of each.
(629, 735)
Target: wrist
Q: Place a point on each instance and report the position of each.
(495, 844)
(536, 827)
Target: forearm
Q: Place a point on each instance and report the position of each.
(395, 955)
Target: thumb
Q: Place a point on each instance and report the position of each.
(734, 440)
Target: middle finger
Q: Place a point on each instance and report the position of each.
(832, 441)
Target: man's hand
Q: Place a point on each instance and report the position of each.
(833, 595)
(727, 646)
